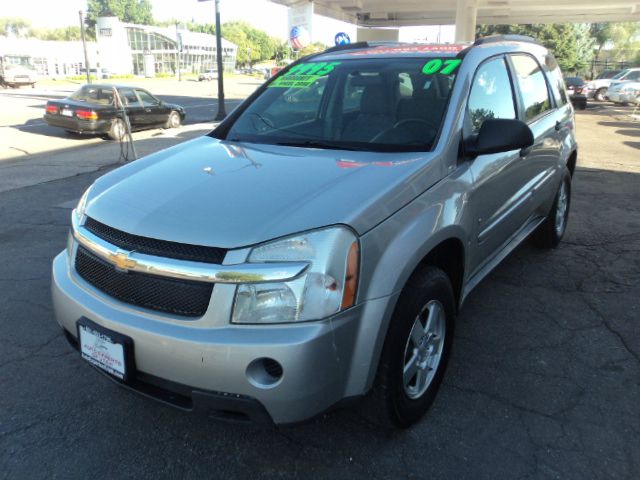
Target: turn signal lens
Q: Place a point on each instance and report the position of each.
(86, 114)
(351, 278)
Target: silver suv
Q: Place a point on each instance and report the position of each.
(316, 246)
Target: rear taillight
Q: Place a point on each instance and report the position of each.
(86, 114)
(52, 109)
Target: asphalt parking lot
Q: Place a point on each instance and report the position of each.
(543, 383)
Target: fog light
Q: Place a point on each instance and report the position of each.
(264, 372)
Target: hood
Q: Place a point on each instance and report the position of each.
(603, 82)
(231, 195)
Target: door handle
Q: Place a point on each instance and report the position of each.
(558, 126)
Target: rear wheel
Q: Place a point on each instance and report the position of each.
(551, 231)
(117, 130)
(173, 121)
(416, 349)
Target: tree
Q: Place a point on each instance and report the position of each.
(249, 40)
(17, 27)
(314, 47)
(62, 33)
(130, 11)
(571, 44)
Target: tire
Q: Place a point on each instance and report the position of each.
(399, 401)
(550, 232)
(173, 121)
(117, 130)
(600, 94)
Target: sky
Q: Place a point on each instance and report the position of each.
(262, 14)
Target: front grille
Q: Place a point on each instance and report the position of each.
(180, 297)
(151, 246)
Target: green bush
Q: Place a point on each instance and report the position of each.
(164, 75)
(81, 77)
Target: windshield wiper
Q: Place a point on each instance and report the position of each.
(315, 144)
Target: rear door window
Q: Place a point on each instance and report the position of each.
(532, 85)
(491, 94)
(129, 97)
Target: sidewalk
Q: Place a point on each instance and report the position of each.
(46, 163)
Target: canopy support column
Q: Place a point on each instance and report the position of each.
(466, 14)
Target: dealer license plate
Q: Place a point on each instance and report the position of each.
(67, 113)
(103, 348)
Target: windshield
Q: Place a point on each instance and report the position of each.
(607, 74)
(360, 104)
(18, 61)
(621, 74)
(94, 94)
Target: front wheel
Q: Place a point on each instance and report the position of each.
(599, 95)
(551, 231)
(173, 121)
(416, 349)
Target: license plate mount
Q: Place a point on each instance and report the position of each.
(110, 351)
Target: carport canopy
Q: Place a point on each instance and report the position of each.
(465, 14)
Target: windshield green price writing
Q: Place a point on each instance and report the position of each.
(304, 74)
(444, 67)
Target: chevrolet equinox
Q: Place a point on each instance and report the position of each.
(316, 246)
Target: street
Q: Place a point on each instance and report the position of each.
(543, 382)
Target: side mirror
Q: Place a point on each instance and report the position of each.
(498, 135)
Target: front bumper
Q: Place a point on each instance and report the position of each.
(207, 358)
(77, 125)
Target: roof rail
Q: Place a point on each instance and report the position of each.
(505, 38)
(348, 46)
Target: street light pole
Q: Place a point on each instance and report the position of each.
(178, 47)
(84, 45)
(221, 111)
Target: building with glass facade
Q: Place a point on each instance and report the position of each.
(125, 48)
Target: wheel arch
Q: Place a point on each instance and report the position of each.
(444, 250)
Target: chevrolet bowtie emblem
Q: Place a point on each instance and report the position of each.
(122, 261)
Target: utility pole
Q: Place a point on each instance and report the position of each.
(221, 111)
(178, 48)
(84, 45)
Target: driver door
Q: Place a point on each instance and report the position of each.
(500, 194)
(154, 112)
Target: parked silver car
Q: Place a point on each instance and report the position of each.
(208, 75)
(316, 246)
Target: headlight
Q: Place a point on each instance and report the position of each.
(82, 204)
(327, 286)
